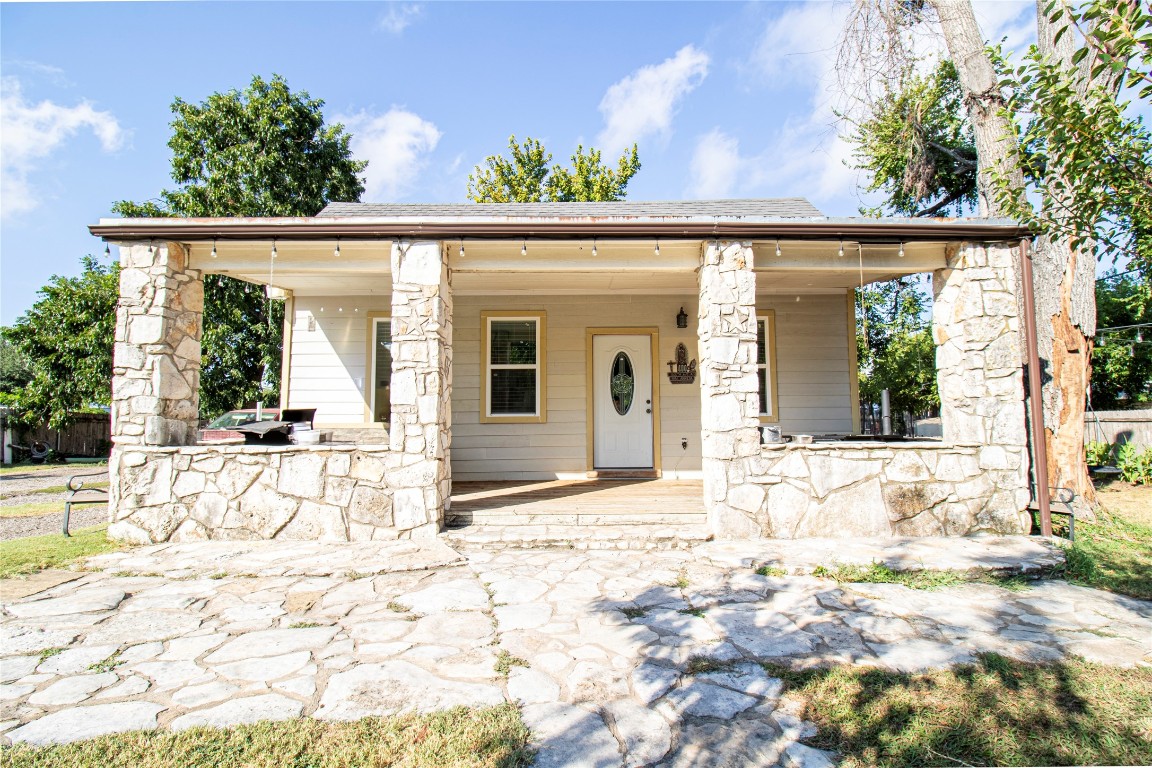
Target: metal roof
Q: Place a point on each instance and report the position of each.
(775, 208)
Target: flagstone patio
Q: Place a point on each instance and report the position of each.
(596, 644)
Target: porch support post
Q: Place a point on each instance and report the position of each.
(156, 358)
(979, 359)
(729, 390)
(421, 420)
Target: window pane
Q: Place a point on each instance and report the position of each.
(382, 375)
(513, 392)
(761, 346)
(513, 342)
(761, 373)
(622, 384)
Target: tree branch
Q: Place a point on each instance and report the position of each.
(968, 162)
(937, 207)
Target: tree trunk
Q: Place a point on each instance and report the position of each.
(1064, 278)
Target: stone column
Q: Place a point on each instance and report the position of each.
(421, 421)
(729, 390)
(979, 358)
(156, 359)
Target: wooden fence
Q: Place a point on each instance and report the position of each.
(1119, 427)
(89, 435)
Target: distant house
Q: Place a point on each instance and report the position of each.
(445, 344)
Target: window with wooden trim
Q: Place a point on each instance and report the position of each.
(380, 368)
(766, 364)
(514, 381)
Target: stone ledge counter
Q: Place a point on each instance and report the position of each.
(880, 489)
(322, 493)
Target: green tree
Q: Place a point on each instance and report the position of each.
(265, 151)
(15, 369)
(525, 177)
(1122, 358)
(66, 339)
(917, 146)
(1083, 151)
(895, 348)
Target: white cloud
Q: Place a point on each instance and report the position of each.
(396, 145)
(29, 133)
(1013, 21)
(644, 102)
(716, 165)
(399, 17)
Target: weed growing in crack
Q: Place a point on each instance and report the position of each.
(107, 665)
(771, 570)
(505, 661)
(699, 665)
(634, 613)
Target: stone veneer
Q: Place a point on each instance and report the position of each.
(877, 489)
(324, 493)
(977, 481)
(156, 368)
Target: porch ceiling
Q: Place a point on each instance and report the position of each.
(568, 266)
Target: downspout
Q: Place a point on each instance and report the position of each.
(1035, 395)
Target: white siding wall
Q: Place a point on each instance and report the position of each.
(812, 362)
(328, 373)
(328, 363)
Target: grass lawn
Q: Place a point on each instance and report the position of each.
(35, 553)
(52, 489)
(460, 738)
(996, 712)
(1115, 553)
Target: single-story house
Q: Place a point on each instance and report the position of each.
(445, 344)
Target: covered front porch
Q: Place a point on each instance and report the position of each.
(472, 353)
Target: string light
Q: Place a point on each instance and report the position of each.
(841, 253)
(107, 251)
(657, 251)
(593, 247)
(524, 248)
(274, 249)
(901, 254)
(461, 247)
(214, 248)
(777, 247)
(336, 252)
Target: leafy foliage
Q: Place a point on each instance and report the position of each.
(66, 337)
(263, 152)
(918, 146)
(895, 348)
(1098, 454)
(1090, 160)
(15, 367)
(1135, 465)
(1122, 359)
(525, 177)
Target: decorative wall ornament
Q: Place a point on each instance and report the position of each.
(680, 371)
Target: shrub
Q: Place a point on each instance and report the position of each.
(1098, 454)
(1135, 465)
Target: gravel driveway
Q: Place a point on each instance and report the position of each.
(20, 488)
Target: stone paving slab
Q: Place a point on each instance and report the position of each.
(995, 554)
(279, 558)
(602, 649)
(23, 586)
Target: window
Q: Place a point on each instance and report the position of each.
(380, 368)
(766, 364)
(513, 384)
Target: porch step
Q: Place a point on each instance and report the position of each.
(513, 518)
(567, 537)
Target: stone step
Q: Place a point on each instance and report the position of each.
(629, 537)
(499, 517)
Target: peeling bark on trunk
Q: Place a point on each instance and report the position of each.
(1064, 278)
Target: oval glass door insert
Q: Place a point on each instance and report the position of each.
(622, 384)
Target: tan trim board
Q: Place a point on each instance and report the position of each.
(853, 362)
(286, 350)
(769, 318)
(369, 390)
(541, 317)
(653, 332)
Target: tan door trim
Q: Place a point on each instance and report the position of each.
(653, 333)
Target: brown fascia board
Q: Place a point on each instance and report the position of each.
(480, 228)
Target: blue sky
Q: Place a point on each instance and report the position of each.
(725, 99)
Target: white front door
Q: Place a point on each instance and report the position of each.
(622, 402)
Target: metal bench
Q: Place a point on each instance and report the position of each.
(79, 493)
(1064, 498)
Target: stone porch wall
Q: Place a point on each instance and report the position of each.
(324, 493)
(871, 489)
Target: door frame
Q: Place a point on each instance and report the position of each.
(653, 333)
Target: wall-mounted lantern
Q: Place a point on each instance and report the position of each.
(681, 318)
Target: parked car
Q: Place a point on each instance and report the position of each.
(223, 427)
